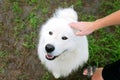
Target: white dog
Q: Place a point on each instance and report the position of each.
(59, 49)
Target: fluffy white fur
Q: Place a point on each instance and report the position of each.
(72, 52)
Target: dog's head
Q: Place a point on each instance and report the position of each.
(57, 36)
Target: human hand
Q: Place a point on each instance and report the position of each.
(97, 74)
(84, 28)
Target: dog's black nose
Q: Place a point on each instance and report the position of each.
(49, 48)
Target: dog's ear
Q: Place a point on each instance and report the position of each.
(66, 13)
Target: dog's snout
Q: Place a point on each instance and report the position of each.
(49, 48)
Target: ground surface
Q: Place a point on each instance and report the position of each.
(19, 26)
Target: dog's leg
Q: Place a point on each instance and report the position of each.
(56, 75)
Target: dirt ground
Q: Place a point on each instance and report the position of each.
(20, 62)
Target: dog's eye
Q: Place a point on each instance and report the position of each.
(50, 33)
(64, 38)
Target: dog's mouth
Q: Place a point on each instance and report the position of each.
(52, 57)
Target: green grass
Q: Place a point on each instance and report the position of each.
(105, 48)
(109, 6)
(3, 62)
(2, 68)
(3, 54)
(29, 40)
(33, 20)
(17, 10)
(23, 76)
(46, 76)
(104, 44)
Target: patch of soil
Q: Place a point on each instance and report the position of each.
(23, 63)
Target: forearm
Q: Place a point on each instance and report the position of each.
(85, 28)
(112, 19)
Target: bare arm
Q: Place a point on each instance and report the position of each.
(85, 28)
(112, 19)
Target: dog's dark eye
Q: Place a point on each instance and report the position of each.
(64, 38)
(50, 33)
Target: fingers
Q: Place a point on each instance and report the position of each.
(78, 33)
(81, 33)
(74, 25)
(81, 28)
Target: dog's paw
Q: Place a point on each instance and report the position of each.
(56, 75)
